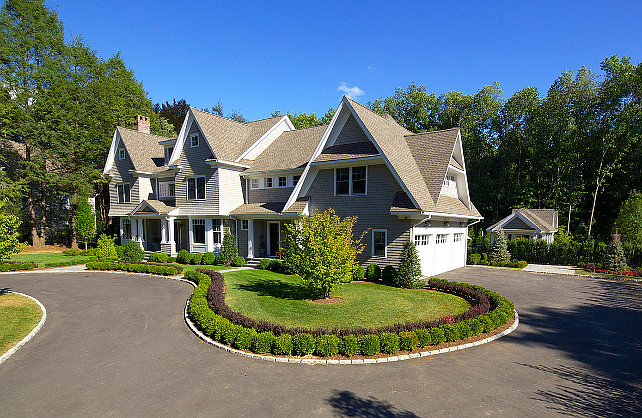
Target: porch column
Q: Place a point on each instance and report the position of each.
(134, 225)
(209, 235)
(163, 231)
(250, 238)
(141, 225)
(171, 239)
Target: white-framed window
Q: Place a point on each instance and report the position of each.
(351, 181)
(283, 182)
(216, 227)
(193, 140)
(458, 237)
(121, 153)
(244, 224)
(166, 189)
(124, 195)
(268, 182)
(441, 239)
(449, 181)
(127, 228)
(254, 183)
(198, 231)
(421, 240)
(295, 180)
(196, 188)
(379, 242)
(168, 154)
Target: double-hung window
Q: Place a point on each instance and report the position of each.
(193, 140)
(121, 153)
(216, 227)
(244, 224)
(198, 231)
(379, 242)
(123, 193)
(254, 183)
(127, 229)
(166, 189)
(351, 181)
(168, 154)
(268, 182)
(196, 188)
(295, 180)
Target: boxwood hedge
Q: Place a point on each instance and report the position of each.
(163, 270)
(209, 312)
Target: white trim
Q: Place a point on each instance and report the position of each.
(510, 218)
(385, 249)
(246, 226)
(129, 194)
(121, 150)
(350, 181)
(191, 140)
(349, 161)
(111, 155)
(196, 198)
(227, 164)
(285, 119)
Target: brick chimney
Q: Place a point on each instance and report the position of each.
(141, 123)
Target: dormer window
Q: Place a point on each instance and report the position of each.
(449, 181)
(193, 139)
(168, 154)
(268, 182)
(121, 153)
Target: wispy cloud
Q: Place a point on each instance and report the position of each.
(352, 92)
(370, 68)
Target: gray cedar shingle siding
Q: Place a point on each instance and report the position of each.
(372, 210)
(192, 162)
(351, 133)
(274, 194)
(120, 174)
(517, 223)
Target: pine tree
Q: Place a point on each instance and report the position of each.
(229, 250)
(409, 268)
(499, 249)
(614, 258)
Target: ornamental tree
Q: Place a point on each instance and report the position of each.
(499, 249)
(85, 224)
(9, 242)
(228, 250)
(321, 249)
(410, 267)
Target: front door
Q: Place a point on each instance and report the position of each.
(273, 238)
(178, 235)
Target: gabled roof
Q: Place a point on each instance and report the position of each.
(348, 151)
(291, 150)
(227, 138)
(542, 219)
(259, 208)
(143, 149)
(152, 206)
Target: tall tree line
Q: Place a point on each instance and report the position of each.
(59, 104)
(578, 149)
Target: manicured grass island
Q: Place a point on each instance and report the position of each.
(280, 298)
(18, 316)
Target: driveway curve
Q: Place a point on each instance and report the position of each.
(117, 344)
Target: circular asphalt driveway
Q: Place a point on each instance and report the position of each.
(117, 344)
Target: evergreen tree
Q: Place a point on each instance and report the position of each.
(409, 272)
(499, 249)
(229, 250)
(85, 220)
(614, 258)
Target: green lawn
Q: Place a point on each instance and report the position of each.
(18, 316)
(47, 257)
(262, 294)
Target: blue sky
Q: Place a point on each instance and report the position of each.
(257, 57)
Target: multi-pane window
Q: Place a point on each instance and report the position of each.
(422, 240)
(216, 227)
(379, 242)
(127, 229)
(283, 181)
(123, 193)
(458, 237)
(168, 153)
(351, 181)
(244, 224)
(198, 231)
(166, 189)
(254, 183)
(295, 180)
(268, 182)
(193, 140)
(449, 181)
(441, 238)
(121, 153)
(195, 188)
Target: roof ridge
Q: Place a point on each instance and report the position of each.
(434, 132)
(310, 127)
(221, 117)
(144, 133)
(260, 120)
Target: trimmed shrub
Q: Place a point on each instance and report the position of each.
(171, 259)
(370, 344)
(238, 262)
(133, 267)
(424, 337)
(72, 252)
(195, 259)
(359, 273)
(245, 338)
(475, 326)
(327, 345)
(183, 257)
(303, 344)
(231, 333)
(158, 257)
(228, 250)
(282, 345)
(389, 342)
(463, 330)
(73, 262)
(106, 249)
(373, 272)
(208, 258)
(483, 263)
(276, 266)
(437, 336)
(17, 266)
(132, 252)
(389, 275)
(349, 345)
(474, 258)
(408, 340)
(263, 342)
(484, 256)
(265, 264)
(486, 323)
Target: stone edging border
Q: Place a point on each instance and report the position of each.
(33, 332)
(208, 340)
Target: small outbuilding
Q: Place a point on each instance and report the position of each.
(528, 224)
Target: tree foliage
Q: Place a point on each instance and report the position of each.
(85, 220)
(228, 250)
(614, 258)
(304, 120)
(499, 248)
(629, 220)
(410, 267)
(321, 249)
(9, 235)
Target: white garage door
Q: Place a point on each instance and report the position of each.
(440, 249)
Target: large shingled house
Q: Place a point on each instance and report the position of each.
(251, 178)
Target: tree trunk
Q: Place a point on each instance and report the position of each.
(568, 222)
(597, 188)
(43, 214)
(33, 224)
(72, 234)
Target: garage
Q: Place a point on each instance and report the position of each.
(440, 249)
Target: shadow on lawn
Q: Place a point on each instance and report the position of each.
(276, 288)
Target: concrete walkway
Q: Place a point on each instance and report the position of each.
(544, 268)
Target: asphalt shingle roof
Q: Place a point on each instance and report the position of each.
(543, 219)
(143, 149)
(348, 151)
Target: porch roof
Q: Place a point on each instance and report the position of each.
(274, 208)
(147, 207)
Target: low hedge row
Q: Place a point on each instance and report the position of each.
(348, 342)
(15, 266)
(72, 262)
(133, 267)
(178, 268)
